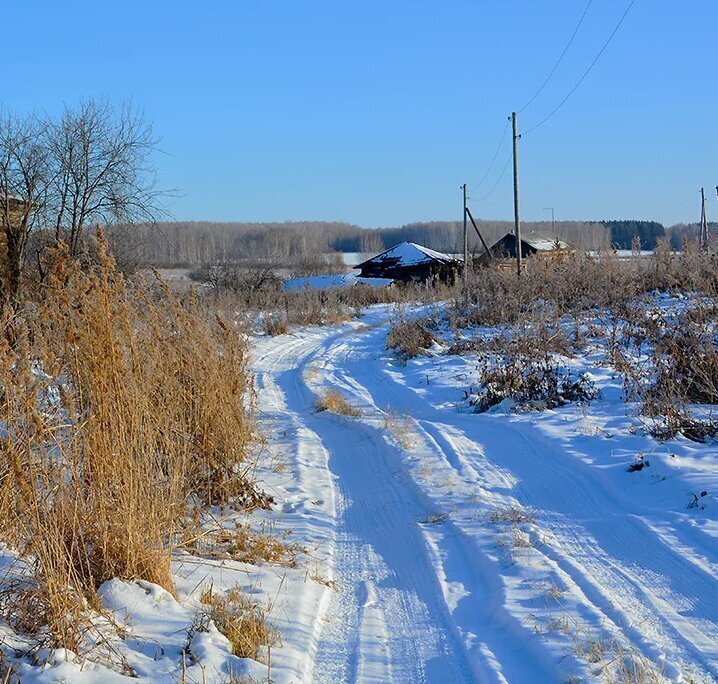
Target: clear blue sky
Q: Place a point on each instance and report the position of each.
(374, 112)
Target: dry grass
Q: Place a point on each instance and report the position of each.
(242, 621)
(410, 337)
(554, 591)
(239, 542)
(512, 515)
(275, 325)
(122, 406)
(616, 663)
(400, 426)
(334, 401)
(610, 659)
(250, 546)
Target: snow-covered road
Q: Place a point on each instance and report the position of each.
(427, 580)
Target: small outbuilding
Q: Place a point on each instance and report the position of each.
(409, 262)
(11, 209)
(532, 243)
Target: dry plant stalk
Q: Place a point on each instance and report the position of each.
(122, 407)
(242, 621)
(334, 402)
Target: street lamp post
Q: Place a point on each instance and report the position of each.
(553, 218)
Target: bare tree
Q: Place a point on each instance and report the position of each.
(25, 178)
(91, 166)
(102, 170)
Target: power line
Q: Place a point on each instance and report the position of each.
(560, 59)
(585, 73)
(493, 159)
(498, 180)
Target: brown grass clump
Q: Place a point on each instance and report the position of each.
(616, 663)
(275, 325)
(122, 405)
(334, 401)
(246, 545)
(242, 543)
(242, 621)
(410, 337)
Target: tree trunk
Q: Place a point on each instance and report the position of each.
(15, 257)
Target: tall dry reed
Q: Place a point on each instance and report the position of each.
(122, 407)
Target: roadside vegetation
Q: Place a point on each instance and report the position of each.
(123, 411)
(335, 402)
(524, 330)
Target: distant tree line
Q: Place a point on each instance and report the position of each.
(303, 245)
(190, 244)
(623, 233)
(682, 233)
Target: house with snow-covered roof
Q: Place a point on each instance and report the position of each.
(532, 243)
(409, 262)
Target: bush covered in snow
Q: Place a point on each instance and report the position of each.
(531, 384)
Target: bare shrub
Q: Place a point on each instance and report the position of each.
(410, 337)
(670, 364)
(334, 401)
(275, 325)
(238, 277)
(531, 384)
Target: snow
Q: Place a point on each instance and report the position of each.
(409, 254)
(409, 573)
(326, 282)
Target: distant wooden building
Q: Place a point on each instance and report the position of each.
(11, 209)
(409, 262)
(532, 243)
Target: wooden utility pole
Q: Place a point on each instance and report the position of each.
(465, 272)
(704, 221)
(517, 216)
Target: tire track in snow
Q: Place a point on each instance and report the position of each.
(502, 648)
(387, 618)
(403, 635)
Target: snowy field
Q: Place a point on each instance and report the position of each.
(440, 545)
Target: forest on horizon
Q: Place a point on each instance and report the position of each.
(194, 243)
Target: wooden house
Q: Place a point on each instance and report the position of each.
(12, 209)
(409, 262)
(533, 243)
